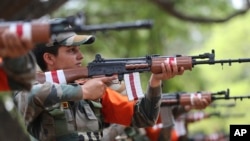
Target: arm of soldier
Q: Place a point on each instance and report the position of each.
(17, 64)
(147, 109)
(32, 103)
(48, 94)
(20, 71)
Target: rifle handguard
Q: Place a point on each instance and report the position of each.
(186, 99)
(36, 32)
(182, 61)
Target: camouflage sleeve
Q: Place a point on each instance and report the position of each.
(20, 71)
(147, 109)
(48, 94)
(32, 103)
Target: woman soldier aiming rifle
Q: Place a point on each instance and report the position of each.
(77, 112)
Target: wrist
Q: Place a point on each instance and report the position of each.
(84, 96)
(153, 82)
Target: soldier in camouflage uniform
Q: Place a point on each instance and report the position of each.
(73, 112)
(164, 129)
(161, 131)
(17, 71)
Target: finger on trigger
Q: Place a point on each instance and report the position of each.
(107, 79)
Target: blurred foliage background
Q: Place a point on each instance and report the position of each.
(201, 26)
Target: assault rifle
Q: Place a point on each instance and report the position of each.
(120, 66)
(183, 98)
(42, 32)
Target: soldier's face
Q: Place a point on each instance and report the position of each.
(68, 57)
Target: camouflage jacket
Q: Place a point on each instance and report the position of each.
(57, 112)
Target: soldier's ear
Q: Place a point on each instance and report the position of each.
(49, 58)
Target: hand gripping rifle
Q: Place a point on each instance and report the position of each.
(42, 32)
(187, 98)
(120, 66)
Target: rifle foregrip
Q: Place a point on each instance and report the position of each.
(187, 99)
(183, 61)
(37, 32)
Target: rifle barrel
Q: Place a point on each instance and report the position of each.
(139, 24)
(229, 61)
(231, 97)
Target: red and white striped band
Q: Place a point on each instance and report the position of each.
(171, 61)
(55, 77)
(133, 86)
(192, 96)
(22, 30)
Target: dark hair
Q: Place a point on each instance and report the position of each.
(40, 49)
